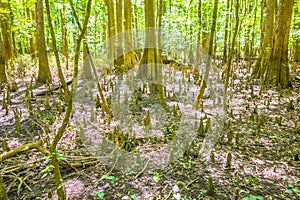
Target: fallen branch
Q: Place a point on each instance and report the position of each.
(44, 92)
(36, 145)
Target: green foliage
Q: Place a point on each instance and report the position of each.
(210, 187)
(293, 188)
(49, 168)
(156, 175)
(47, 171)
(253, 197)
(100, 195)
(250, 180)
(133, 197)
(111, 178)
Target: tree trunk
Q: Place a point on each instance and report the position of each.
(44, 75)
(297, 51)
(111, 29)
(297, 41)
(32, 45)
(266, 41)
(3, 195)
(253, 33)
(277, 66)
(6, 32)
(203, 84)
(198, 52)
(149, 67)
(54, 47)
(130, 60)
(233, 42)
(267, 44)
(120, 54)
(159, 25)
(64, 33)
(3, 77)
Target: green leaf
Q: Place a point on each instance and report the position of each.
(258, 197)
(111, 178)
(156, 178)
(288, 191)
(133, 196)
(296, 190)
(296, 181)
(99, 194)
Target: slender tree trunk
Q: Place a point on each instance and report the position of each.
(297, 51)
(64, 33)
(253, 33)
(136, 45)
(120, 54)
(233, 42)
(159, 26)
(6, 32)
(3, 77)
(198, 52)
(277, 65)
(77, 52)
(130, 59)
(44, 75)
(54, 47)
(203, 84)
(3, 195)
(32, 45)
(226, 34)
(111, 29)
(256, 69)
(297, 41)
(86, 65)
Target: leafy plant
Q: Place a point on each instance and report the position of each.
(156, 175)
(111, 178)
(253, 197)
(58, 156)
(251, 179)
(133, 197)
(292, 187)
(100, 195)
(48, 170)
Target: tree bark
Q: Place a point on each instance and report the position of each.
(44, 74)
(64, 32)
(130, 60)
(120, 54)
(277, 66)
(3, 77)
(149, 67)
(111, 29)
(6, 32)
(57, 58)
(203, 84)
(3, 194)
(233, 42)
(30, 15)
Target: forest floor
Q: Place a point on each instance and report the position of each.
(261, 133)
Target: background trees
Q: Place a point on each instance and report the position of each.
(191, 18)
(258, 37)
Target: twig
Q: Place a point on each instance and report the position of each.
(142, 171)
